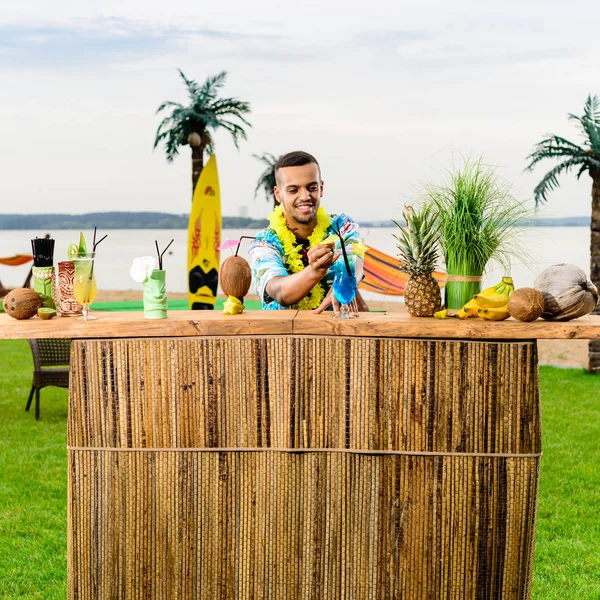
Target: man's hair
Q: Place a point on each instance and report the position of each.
(298, 158)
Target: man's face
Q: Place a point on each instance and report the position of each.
(299, 191)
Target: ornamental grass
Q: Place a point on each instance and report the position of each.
(477, 218)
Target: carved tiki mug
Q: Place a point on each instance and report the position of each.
(69, 307)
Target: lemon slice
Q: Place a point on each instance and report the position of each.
(330, 240)
(72, 251)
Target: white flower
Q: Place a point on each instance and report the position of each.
(142, 268)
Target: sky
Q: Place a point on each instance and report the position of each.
(387, 95)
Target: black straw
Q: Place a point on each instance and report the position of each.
(244, 237)
(348, 268)
(98, 242)
(43, 251)
(160, 255)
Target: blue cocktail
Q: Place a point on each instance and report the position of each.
(344, 282)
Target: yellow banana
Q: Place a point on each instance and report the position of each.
(468, 310)
(495, 296)
(494, 314)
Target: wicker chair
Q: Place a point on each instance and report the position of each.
(51, 358)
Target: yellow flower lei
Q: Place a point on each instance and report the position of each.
(292, 250)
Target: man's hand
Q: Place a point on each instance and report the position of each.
(331, 299)
(320, 258)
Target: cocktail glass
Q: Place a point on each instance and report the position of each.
(344, 287)
(84, 282)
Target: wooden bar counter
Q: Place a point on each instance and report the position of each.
(285, 455)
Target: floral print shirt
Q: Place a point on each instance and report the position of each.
(267, 259)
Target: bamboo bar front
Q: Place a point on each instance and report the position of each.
(303, 458)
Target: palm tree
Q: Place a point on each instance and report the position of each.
(195, 124)
(266, 181)
(584, 158)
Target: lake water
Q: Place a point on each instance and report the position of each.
(545, 246)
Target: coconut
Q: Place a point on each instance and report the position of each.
(567, 291)
(526, 304)
(22, 303)
(235, 276)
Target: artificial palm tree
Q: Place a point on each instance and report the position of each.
(195, 124)
(266, 181)
(584, 158)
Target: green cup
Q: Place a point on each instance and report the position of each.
(43, 284)
(155, 295)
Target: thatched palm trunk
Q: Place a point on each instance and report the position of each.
(197, 164)
(594, 347)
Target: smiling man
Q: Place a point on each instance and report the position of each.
(291, 266)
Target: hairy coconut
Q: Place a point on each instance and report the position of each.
(22, 303)
(567, 291)
(526, 304)
(235, 276)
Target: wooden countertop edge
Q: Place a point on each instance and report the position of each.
(257, 323)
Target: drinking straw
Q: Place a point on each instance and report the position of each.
(243, 237)
(98, 242)
(43, 251)
(348, 268)
(95, 244)
(160, 255)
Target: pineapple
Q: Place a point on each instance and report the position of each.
(417, 249)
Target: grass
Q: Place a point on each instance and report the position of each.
(476, 215)
(33, 485)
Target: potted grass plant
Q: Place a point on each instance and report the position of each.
(477, 218)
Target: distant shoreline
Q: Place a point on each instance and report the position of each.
(154, 220)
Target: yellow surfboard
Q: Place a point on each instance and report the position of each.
(204, 239)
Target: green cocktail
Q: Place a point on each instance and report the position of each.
(84, 282)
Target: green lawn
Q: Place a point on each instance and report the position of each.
(33, 485)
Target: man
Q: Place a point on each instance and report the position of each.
(291, 267)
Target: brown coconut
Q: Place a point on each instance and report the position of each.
(526, 304)
(235, 277)
(22, 303)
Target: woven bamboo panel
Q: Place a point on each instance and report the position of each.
(415, 473)
(294, 392)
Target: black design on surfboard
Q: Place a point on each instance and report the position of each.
(198, 279)
(202, 306)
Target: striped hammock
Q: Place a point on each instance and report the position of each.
(382, 274)
(16, 260)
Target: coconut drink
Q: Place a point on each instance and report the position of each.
(235, 279)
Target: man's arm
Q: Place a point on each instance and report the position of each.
(291, 289)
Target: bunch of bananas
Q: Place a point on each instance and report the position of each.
(490, 304)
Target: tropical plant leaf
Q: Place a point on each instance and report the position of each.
(550, 181)
(590, 122)
(266, 181)
(584, 158)
(205, 112)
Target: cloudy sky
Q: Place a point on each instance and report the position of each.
(386, 95)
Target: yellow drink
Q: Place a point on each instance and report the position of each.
(84, 282)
